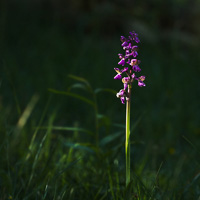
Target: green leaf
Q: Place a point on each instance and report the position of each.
(60, 128)
(78, 78)
(98, 90)
(68, 166)
(100, 116)
(80, 146)
(77, 85)
(135, 124)
(73, 95)
(110, 138)
(104, 119)
(119, 126)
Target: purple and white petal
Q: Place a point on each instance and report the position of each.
(123, 100)
(118, 77)
(124, 44)
(117, 70)
(133, 76)
(120, 56)
(125, 86)
(122, 62)
(141, 84)
(121, 93)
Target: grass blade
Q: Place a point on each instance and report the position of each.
(98, 90)
(60, 128)
(88, 101)
(80, 79)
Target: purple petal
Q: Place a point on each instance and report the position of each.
(132, 34)
(142, 78)
(133, 75)
(123, 100)
(135, 36)
(129, 61)
(136, 68)
(135, 48)
(137, 40)
(125, 86)
(124, 70)
(135, 54)
(121, 93)
(134, 62)
(140, 81)
(141, 84)
(118, 77)
(123, 39)
(129, 46)
(124, 44)
(127, 53)
(120, 56)
(122, 62)
(126, 79)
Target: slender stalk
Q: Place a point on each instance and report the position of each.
(127, 144)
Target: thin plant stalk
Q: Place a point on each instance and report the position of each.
(127, 144)
(124, 94)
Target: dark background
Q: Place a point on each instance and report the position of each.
(42, 42)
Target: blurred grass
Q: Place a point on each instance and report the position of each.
(54, 153)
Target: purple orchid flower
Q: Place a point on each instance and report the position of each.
(125, 81)
(131, 52)
(119, 72)
(140, 81)
(121, 94)
(136, 68)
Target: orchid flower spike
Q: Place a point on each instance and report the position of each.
(131, 52)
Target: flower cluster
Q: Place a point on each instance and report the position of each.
(129, 58)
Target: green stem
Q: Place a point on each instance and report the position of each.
(127, 144)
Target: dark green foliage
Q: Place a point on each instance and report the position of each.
(63, 129)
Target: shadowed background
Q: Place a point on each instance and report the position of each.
(43, 42)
